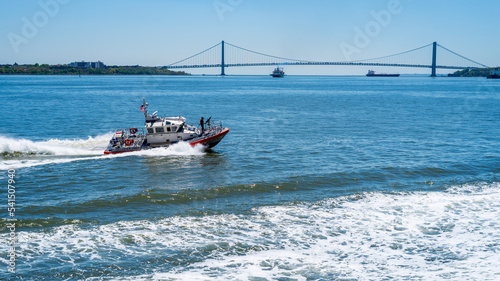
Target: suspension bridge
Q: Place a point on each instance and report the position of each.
(225, 54)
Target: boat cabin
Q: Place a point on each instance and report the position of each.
(166, 130)
(164, 127)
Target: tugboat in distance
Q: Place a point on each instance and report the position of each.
(372, 73)
(494, 74)
(278, 72)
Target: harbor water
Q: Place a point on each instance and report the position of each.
(319, 178)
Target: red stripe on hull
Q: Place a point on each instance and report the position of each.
(203, 141)
(116, 152)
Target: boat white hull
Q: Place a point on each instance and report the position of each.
(138, 142)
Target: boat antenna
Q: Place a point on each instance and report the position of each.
(144, 107)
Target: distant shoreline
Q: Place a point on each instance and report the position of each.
(45, 69)
(476, 72)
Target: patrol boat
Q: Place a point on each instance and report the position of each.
(165, 131)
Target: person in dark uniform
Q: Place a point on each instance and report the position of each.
(202, 124)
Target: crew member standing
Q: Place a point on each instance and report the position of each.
(202, 124)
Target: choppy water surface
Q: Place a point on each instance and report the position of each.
(320, 178)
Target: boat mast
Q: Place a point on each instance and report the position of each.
(144, 107)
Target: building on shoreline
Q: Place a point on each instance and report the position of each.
(85, 64)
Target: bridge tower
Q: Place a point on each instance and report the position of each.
(222, 62)
(433, 73)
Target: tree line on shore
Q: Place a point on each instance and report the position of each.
(472, 72)
(45, 69)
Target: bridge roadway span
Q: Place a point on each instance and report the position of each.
(316, 63)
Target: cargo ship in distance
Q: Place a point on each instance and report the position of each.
(494, 74)
(372, 73)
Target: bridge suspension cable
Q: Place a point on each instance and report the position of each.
(467, 59)
(206, 50)
(257, 53)
(402, 53)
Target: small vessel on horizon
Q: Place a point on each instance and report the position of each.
(278, 72)
(494, 74)
(165, 131)
(372, 73)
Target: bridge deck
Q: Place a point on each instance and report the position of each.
(317, 63)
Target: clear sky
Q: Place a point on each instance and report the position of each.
(159, 32)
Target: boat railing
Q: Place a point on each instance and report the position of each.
(128, 131)
(128, 138)
(215, 123)
(211, 125)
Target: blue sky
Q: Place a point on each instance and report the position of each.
(159, 32)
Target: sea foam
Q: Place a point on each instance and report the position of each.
(56, 147)
(451, 234)
(23, 153)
